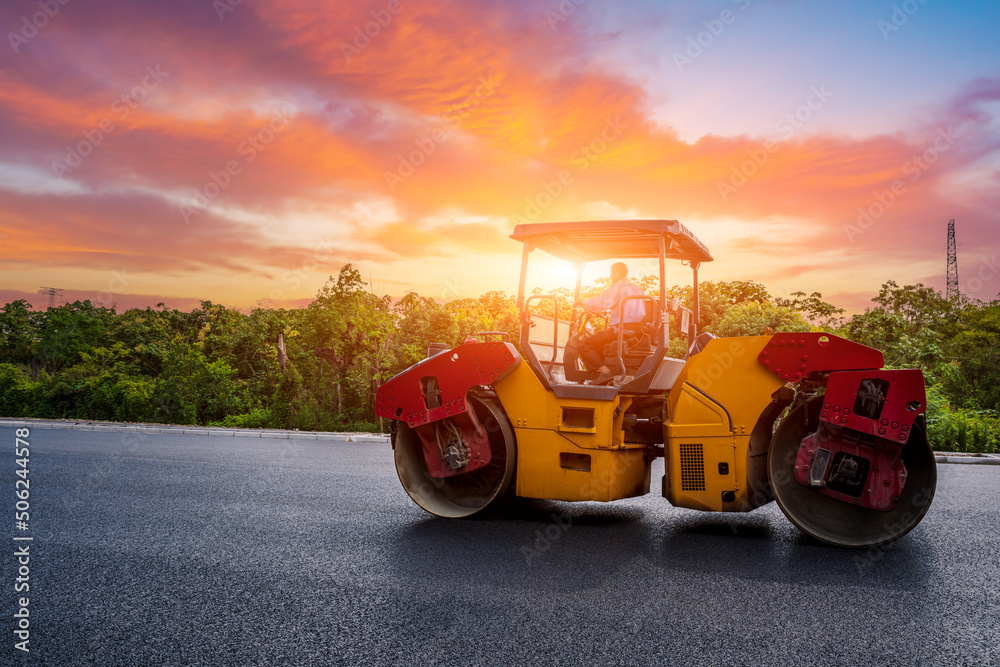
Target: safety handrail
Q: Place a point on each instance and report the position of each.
(526, 319)
(621, 326)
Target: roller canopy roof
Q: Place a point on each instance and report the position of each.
(612, 239)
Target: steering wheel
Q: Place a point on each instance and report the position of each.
(584, 321)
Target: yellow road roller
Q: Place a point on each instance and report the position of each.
(808, 420)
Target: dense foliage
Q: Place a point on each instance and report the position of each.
(318, 367)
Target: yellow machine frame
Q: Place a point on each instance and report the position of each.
(576, 449)
(486, 418)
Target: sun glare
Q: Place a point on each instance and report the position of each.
(549, 273)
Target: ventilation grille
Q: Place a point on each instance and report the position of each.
(692, 467)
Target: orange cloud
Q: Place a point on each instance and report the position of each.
(469, 110)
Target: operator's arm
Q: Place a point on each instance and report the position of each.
(607, 300)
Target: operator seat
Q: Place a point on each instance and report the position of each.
(638, 344)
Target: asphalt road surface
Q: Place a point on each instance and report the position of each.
(161, 549)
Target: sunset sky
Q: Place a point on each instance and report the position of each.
(243, 151)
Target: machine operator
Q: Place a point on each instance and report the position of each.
(591, 349)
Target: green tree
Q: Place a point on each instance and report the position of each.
(813, 308)
(20, 394)
(69, 330)
(973, 354)
(354, 329)
(753, 318)
(19, 330)
(421, 321)
(908, 325)
(193, 390)
(105, 384)
(492, 311)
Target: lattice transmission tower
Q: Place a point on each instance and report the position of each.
(952, 290)
(53, 292)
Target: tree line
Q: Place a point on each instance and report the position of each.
(318, 367)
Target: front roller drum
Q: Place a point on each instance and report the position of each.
(464, 494)
(837, 522)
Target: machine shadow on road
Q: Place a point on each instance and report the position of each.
(569, 546)
(761, 546)
(541, 511)
(584, 545)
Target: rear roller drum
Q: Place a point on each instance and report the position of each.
(834, 521)
(464, 494)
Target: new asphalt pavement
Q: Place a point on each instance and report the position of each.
(174, 548)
